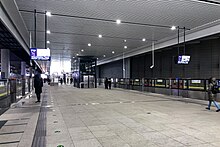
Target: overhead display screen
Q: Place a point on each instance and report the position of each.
(184, 59)
(40, 54)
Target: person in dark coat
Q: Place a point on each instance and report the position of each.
(38, 84)
(211, 95)
(106, 83)
(109, 83)
(71, 80)
(61, 81)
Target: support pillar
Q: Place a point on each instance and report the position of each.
(5, 62)
(126, 69)
(23, 75)
(30, 80)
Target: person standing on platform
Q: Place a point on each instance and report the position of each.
(64, 80)
(61, 81)
(212, 93)
(106, 83)
(71, 80)
(109, 83)
(38, 84)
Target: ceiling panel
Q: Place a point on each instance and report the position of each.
(73, 34)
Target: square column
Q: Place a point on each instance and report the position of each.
(23, 75)
(5, 62)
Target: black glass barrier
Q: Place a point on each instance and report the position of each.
(181, 84)
(4, 95)
(136, 82)
(160, 83)
(3, 88)
(149, 83)
(197, 84)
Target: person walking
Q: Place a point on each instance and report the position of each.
(106, 83)
(38, 84)
(109, 83)
(212, 93)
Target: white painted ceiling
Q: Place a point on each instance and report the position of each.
(70, 35)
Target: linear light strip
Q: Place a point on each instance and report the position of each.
(112, 37)
(82, 44)
(106, 20)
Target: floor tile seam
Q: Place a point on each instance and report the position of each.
(8, 133)
(10, 142)
(126, 127)
(185, 135)
(89, 131)
(21, 124)
(174, 98)
(129, 142)
(150, 127)
(156, 131)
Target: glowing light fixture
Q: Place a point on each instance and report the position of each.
(118, 21)
(48, 32)
(89, 44)
(125, 47)
(48, 14)
(82, 50)
(173, 28)
(48, 42)
(100, 36)
(143, 39)
(113, 52)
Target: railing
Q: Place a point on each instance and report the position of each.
(192, 88)
(11, 91)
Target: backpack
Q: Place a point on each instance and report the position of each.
(215, 89)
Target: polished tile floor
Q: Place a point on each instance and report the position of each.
(122, 118)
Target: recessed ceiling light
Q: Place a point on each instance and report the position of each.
(100, 36)
(125, 47)
(48, 32)
(173, 28)
(82, 50)
(113, 52)
(48, 42)
(104, 56)
(77, 54)
(125, 40)
(73, 57)
(89, 44)
(118, 21)
(48, 14)
(143, 39)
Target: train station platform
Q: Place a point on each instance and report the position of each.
(108, 118)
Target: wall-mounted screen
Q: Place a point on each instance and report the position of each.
(184, 59)
(40, 54)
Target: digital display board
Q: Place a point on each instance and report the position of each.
(184, 59)
(40, 54)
